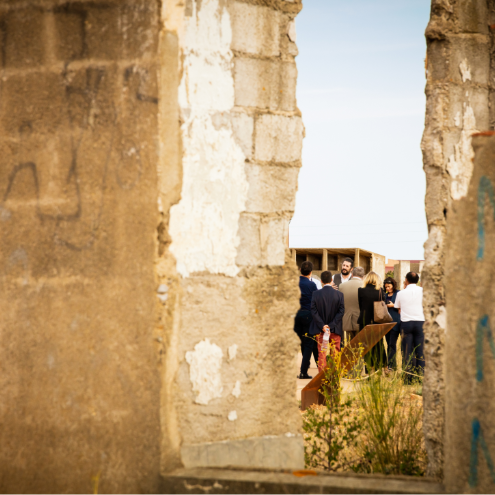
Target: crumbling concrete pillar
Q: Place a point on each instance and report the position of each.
(470, 347)
(457, 90)
(400, 271)
(324, 260)
(237, 286)
(80, 381)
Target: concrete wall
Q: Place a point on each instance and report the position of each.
(149, 163)
(458, 92)
(79, 382)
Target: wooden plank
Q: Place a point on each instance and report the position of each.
(366, 339)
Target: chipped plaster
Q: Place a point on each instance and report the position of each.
(204, 224)
(460, 164)
(205, 363)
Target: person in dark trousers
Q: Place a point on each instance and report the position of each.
(367, 295)
(390, 287)
(303, 319)
(327, 308)
(410, 303)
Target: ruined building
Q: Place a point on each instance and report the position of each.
(149, 158)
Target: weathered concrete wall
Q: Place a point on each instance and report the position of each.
(241, 138)
(458, 89)
(470, 346)
(79, 381)
(149, 160)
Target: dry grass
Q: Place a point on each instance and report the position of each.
(390, 440)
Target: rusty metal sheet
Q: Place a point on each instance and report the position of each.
(367, 338)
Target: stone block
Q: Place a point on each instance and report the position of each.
(270, 452)
(243, 128)
(24, 38)
(249, 249)
(469, 59)
(255, 29)
(70, 26)
(140, 32)
(273, 235)
(47, 110)
(103, 31)
(437, 60)
(271, 188)
(278, 138)
(265, 84)
(473, 16)
(460, 98)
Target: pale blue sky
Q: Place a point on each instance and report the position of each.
(361, 92)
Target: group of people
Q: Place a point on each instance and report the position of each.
(344, 302)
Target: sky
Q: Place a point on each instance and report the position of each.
(361, 93)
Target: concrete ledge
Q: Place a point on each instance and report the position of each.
(208, 480)
(268, 452)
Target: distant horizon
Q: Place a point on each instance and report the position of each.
(361, 93)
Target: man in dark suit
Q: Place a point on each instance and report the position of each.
(327, 308)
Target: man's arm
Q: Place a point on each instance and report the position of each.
(316, 317)
(340, 313)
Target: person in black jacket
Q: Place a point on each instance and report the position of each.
(303, 319)
(390, 287)
(327, 308)
(367, 295)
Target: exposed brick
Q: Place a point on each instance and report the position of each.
(24, 38)
(278, 138)
(255, 29)
(243, 127)
(265, 84)
(271, 188)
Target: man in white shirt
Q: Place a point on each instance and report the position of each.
(410, 304)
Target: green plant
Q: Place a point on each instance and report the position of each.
(393, 440)
(332, 430)
(389, 274)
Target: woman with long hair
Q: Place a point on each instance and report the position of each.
(391, 291)
(367, 295)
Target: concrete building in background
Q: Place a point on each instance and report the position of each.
(332, 258)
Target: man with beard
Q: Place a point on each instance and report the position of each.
(344, 275)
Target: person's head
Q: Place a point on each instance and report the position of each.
(326, 277)
(373, 279)
(412, 278)
(306, 268)
(389, 284)
(347, 266)
(358, 271)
